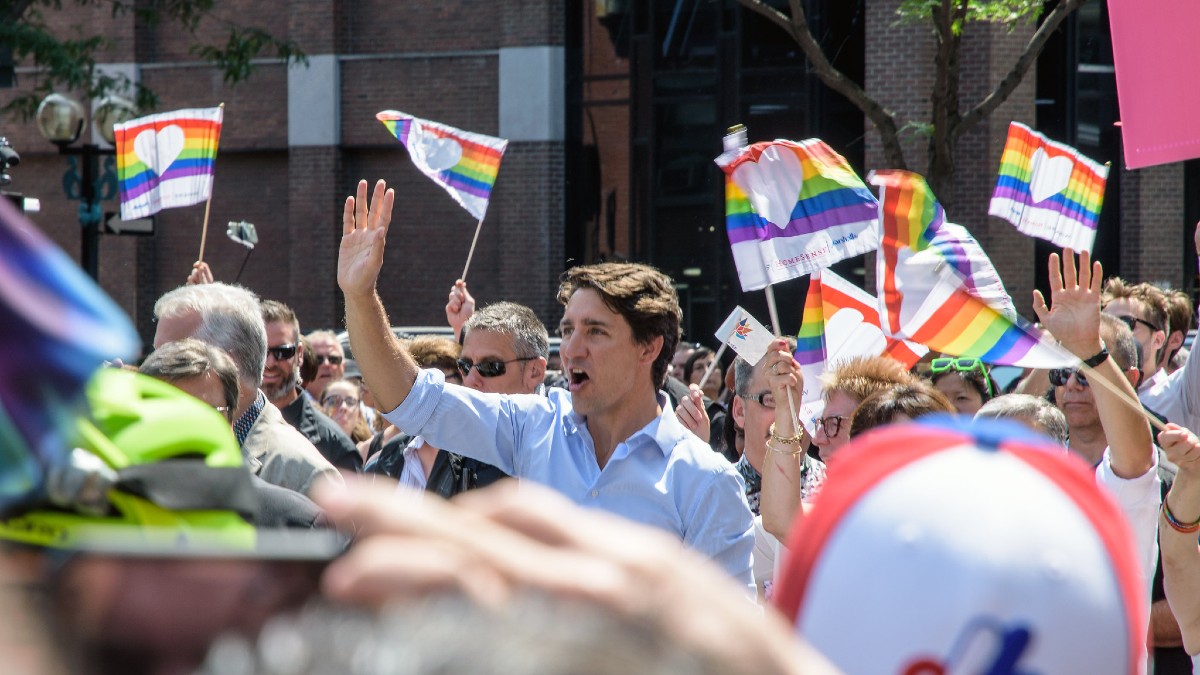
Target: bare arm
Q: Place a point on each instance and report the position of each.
(1180, 555)
(459, 307)
(779, 502)
(1074, 320)
(386, 365)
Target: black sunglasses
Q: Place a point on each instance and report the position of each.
(1060, 376)
(1133, 321)
(488, 368)
(333, 359)
(282, 352)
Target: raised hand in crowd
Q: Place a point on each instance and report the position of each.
(385, 363)
(692, 415)
(200, 274)
(1073, 318)
(1177, 533)
(364, 236)
(499, 543)
(780, 501)
(459, 307)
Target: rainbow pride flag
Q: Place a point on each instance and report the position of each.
(1049, 190)
(841, 321)
(465, 164)
(925, 299)
(166, 160)
(792, 209)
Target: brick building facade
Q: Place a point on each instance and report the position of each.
(582, 92)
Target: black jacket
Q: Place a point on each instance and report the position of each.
(450, 475)
(324, 433)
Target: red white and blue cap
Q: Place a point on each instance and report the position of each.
(938, 547)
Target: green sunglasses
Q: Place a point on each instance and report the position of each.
(961, 365)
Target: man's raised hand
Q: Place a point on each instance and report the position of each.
(364, 234)
(1073, 317)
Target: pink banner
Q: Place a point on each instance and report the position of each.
(1157, 57)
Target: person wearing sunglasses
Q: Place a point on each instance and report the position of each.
(611, 442)
(229, 317)
(282, 385)
(965, 382)
(1145, 310)
(331, 361)
(1104, 430)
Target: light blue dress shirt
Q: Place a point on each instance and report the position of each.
(662, 476)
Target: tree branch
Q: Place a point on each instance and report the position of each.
(15, 11)
(1032, 49)
(797, 27)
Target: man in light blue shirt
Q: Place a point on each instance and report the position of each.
(612, 443)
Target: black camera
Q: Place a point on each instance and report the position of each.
(8, 157)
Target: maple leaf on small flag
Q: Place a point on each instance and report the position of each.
(743, 330)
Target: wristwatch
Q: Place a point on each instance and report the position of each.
(1099, 357)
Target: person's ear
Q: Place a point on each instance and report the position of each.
(738, 411)
(1134, 375)
(535, 373)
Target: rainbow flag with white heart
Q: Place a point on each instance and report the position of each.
(794, 208)
(167, 160)
(1049, 190)
(465, 164)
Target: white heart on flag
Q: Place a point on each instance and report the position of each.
(440, 153)
(772, 183)
(847, 335)
(157, 149)
(1050, 176)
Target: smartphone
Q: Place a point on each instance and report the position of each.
(131, 609)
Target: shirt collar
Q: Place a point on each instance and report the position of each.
(664, 431)
(241, 428)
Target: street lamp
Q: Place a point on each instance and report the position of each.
(60, 120)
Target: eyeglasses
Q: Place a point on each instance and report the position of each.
(831, 424)
(766, 399)
(488, 368)
(961, 365)
(282, 352)
(337, 401)
(1133, 321)
(1060, 376)
(332, 359)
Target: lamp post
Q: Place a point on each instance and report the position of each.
(60, 120)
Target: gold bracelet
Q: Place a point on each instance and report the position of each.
(794, 453)
(792, 440)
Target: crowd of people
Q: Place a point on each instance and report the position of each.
(925, 521)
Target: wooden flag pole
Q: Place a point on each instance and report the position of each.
(208, 204)
(474, 240)
(770, 290)
(1093, 376)
(716, 359)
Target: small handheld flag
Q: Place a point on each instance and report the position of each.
(793, 208)
(465, 164)
(1048, 190)
(749, 338)
(166, 160)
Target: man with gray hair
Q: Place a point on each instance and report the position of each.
(1034, 412)
(206, 372)
(505, 345)
(229, 317)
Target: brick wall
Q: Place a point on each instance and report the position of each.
(1151, 221)
(433, 59)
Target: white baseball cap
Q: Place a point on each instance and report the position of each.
(938, 547)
